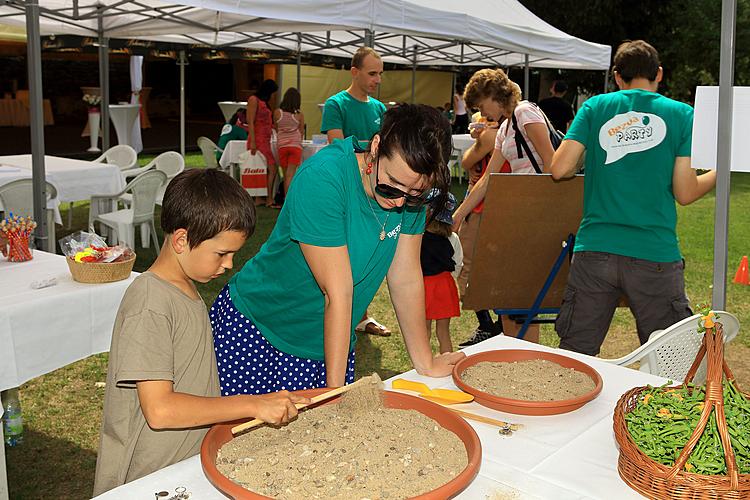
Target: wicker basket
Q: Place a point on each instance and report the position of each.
(655, 480)
(99, 272)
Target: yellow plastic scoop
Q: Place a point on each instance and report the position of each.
(442, 396)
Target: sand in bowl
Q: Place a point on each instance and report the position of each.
(531, 380)
(353, 449)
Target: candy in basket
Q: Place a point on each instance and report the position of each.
(90, 260)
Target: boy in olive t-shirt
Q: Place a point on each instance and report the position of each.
(162, 381)
(637, 145)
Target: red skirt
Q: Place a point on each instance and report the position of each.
(441, 296)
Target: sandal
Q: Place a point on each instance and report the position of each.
(372, 327)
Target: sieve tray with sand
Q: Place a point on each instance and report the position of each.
(366, 443)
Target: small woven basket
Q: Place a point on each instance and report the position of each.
(655, 480)
(99, 272)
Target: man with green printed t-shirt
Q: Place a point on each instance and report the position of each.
(353, 112)
(637, 144)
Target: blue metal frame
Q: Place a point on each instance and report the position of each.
(535, 310)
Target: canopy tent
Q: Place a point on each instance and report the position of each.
(440, 33)
(434, 32)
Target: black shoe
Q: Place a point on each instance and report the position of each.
(479, 336)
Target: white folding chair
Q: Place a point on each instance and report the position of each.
(143, 190)
(122, 155)
(171, 163)
(669, 353)
(208, 149)
(17, 197)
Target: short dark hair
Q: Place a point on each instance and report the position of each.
(560, 86)
(359, 56)
(266, 90)
(206, 202)
(636, 59)
(292, 101)
(422, 136)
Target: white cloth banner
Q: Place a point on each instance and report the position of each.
(706, 128)
(136, 84)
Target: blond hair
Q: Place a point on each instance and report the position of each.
(492, 83)
(361, 54)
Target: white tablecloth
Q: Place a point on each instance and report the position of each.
(229, 107)
(45, 329)
(570, 456)
(234, 149)
(74, 180)
(123, 117)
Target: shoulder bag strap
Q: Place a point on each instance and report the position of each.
(521, 143)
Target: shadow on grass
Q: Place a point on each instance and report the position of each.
(48, 467)
(369, 359)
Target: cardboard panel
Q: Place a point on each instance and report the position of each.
(526, 219)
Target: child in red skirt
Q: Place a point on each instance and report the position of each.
(441, 258)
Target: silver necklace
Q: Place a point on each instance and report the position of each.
(382, 226)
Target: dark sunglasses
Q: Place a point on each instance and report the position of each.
(393, 193)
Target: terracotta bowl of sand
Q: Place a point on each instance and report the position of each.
(527, 382)
(442, 420)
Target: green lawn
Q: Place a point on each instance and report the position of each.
(62, 410)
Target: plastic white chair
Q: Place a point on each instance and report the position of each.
(208, 149)
(17, 197)
(167, 157)
(669, 353)
(122, 155)
(143, 190)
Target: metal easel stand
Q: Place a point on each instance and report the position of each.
(529, 315)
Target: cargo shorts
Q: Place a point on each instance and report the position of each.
(655, 292)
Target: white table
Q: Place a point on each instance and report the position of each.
(45, 329)
(228, 108)
(74, 179)
(570, 456)
(123, 117)
(233, 150)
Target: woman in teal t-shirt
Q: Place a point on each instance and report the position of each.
(351, 218)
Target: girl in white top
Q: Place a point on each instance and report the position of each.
(461, 116)
(497, 97)
(289, 123)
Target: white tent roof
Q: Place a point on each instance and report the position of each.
(443, 32)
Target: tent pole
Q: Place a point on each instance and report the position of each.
(413, 74)
(526, 76)
(299, 62)
(606, 81)
(39, 186)
(724, 152)
(104, 79)
(182, 63)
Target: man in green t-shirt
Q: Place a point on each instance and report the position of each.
(353, 112)
(233, 130)
(637, 144)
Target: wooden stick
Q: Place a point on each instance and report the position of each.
(473, 416)
(486, 420)
(317, 399)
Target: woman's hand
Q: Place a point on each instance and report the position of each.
(253, 148)
(442, 364)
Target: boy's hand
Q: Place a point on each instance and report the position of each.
(278, 407)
